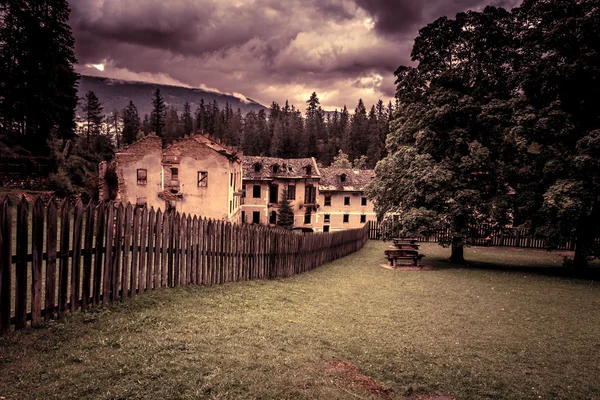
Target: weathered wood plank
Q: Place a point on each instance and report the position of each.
(188, 251)
(76, 262)
(175, 268)
(150, 255)
(63, 268)
(51, 243)
(108, 254)
(142, 260)
(135, 250)
(157, 248)
(115, 284)
(37, 248)
(88, 245)
(127, 251)
(100, 232)
(21, 267)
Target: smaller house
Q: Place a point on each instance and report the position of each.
(343, 204)
(194, 175)
(264, 182)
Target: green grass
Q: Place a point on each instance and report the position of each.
(470, 333)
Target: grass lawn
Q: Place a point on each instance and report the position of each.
(468, 333)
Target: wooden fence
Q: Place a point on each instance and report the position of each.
(509, 237)
(107, 252)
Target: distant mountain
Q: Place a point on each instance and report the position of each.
(116, 94)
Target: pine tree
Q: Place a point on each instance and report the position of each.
(187, 119)
(131, 123)
(157, 117)
(92, 110)
(38, 94)
(285, 216)
(341, 160)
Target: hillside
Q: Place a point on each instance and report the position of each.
(116, 94)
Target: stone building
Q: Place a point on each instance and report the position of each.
(195, 175)
(343, 204)
(264, 182)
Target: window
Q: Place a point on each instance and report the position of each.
(256, 217)
(363, 201)
(230, 206)
(307, 218)
(310, 194)
(273, 194)
(202, 179)
(230, 179)
(308, 170)
(243, 191)
(347, 201)
(363, 219)
(326, 228)
(273, 218)
(243, 217)
(174, 174)
(326, 218)
(275, 169)
(291, 192)
(343, 178)
(142, 176)
(257, 167)
(327, 200)
(346, 218)
(256, 191)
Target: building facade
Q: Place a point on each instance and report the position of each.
(323, 199)
(195, 175)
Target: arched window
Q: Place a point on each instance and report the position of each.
(275, 169)
(257, 167)
(343, 178)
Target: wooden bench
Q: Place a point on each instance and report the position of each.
(405, 240)
(406, 245)
(402, 254)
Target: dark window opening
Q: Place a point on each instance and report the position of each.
(244, 191)
(363, 219)
(230, 179)
(327, 200)
(243, 217)
(291, 192)
(256, 191)
(230, 206)
(326, 218)
(346, 218)
(343, 178)
(310, 194)
(346, 201)
(273, 194)
(174, 174)
(326, 228)
(363, 201)
(307, 218)
(142, 176)
(256, 217)
(273, 218)
(202, 179)
(256, 167)
(275, 169)
(308, 170)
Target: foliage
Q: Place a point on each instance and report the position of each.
(93, 111)
(341, 160)
(285, 216)
(37, 81)
(158, 115)
(131, 124)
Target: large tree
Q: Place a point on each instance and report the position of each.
(38, 93)
(444, 168)
(93, 114)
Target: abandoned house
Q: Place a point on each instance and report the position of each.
(266, 179)
(195, 175)
(342, 199)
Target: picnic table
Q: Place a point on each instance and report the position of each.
(393, 255)
(406, 245)
(405, 240)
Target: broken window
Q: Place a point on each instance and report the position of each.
(326, 218)
(310, 194)
(346, 218)
(243, 217)
(363, 219)
(256, 217)
(308, 170)
(142, 176)
(275, 169)
(326, 228)
(202, 179)
(257, 167)
(256, 191)
(363, 202)
(273, 218)
(174, 174)
(327, 200)
(291, 192)
(343, 178)
(273, 194)
(307, 218)
(347, 200)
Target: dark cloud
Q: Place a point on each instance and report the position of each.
(266, 49)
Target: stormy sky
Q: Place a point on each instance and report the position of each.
(268, 50)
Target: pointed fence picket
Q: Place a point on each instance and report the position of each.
(60, 259)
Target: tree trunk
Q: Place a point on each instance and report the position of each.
(457, 255)
(586, 234)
